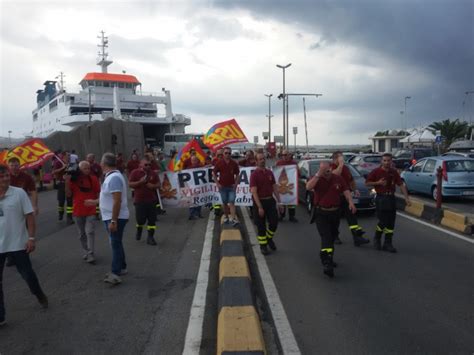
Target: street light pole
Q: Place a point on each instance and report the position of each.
(401, 116)
(269, 117)
(9, 139)
(285, 133)
(406, 116)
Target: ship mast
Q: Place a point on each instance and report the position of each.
(61, 77)
(102, 61)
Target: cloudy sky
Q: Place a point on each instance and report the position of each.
(218, 59)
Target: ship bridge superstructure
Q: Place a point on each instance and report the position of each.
(105, 95)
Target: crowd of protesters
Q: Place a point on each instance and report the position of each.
(88, 191)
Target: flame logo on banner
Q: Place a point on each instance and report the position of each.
(166, 189)
(284, 187)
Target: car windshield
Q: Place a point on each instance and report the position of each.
(373, 159)
(354, 171)
(423, 153)
(459, 166)
(313, 168)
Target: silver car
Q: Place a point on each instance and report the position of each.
(458, 176)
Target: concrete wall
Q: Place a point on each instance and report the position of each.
(97, 138)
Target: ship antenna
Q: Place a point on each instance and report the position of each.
(102, 61)
(61, 77)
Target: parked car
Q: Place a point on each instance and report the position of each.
(348, 156)
(235, 154)
(458, 176)
(308, 168)
(404, 158)
(460, 154)
(365, 163)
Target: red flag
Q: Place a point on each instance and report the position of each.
(224, 133)
(176, 163)
(31, 154)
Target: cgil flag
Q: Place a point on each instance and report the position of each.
(224, 133)
(31, 154)
(176, 163)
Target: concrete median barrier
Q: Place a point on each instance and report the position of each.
(440, 216)
(239, 330)
(456, 221)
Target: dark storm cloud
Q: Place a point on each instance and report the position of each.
(434, 34)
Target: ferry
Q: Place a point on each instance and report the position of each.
(104, 95)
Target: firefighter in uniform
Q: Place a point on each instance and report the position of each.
(343, 171)
(385, 179)
(145, 182)
(263, 187)
(328, 188)
(287, 159)
(59, 170)
(217, 208)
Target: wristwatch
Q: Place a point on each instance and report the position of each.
(113, 221)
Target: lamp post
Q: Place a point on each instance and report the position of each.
(401, 117)
(470, 115)
(405, 112)
(295, 132)
(9, 139)
(269, 117)
(285, 133)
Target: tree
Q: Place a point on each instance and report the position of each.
(451, 130)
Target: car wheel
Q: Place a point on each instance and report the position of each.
(434, 193)
(309, 203)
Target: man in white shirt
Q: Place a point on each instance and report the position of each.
(114, 211)
(16, 240)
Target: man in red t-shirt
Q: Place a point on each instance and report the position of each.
(83, 187)
(133, 163)
(187, 163)
(22, 179)
(249, 159)
(385, 179)
(263, 187)
(287, 159)
(217, 208)
(59, 171)
(145, 182)
(225, 174)
(96, 170)
(339, 168)
(328, 188)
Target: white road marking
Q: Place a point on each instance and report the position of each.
(284, 331)
(193, 338)
(454, 234)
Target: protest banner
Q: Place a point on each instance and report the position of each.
(196, 187)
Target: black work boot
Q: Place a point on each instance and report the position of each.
(272, 244)
(150, 240)
(138, 236)
(69, 220)
(326, 260)
(293, 219)
(264, 250)
(378, 241)
(60, 216)
(358, 238)
(387, 244)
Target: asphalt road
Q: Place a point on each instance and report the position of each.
(419, 301)
(147, 313)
